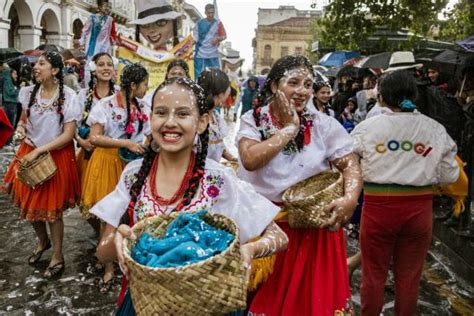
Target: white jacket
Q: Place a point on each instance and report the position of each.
(406, 149)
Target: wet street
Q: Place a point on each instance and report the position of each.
(24, 291)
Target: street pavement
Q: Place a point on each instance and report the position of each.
(24, 291)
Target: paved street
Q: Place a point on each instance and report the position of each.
(23, 290)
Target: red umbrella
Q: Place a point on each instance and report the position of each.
(352, 61)
(6, 128)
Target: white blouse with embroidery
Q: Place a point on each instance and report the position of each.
(329, 141)
(218, 130)
(81, 98)
(220, 191)
(43, 125)
(113, 117)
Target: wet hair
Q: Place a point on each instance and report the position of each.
(150, 155)
(132, 73)
(101, 2)
(92, 84)
(397, 86)
(56, 61)
(278, 71)
(214, 82)
(178, 63)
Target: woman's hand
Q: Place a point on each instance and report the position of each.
(84, 143)
(341, 211)
(124, 231)
(135, 148)
(29, 157)
(285, 111)
(20, 132)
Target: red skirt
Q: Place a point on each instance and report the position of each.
(47, 201)
(309, 278)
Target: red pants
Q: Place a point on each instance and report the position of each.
(394, 230)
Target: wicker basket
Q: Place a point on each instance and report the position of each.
(213, 286)
(37, 171)
(306, 200)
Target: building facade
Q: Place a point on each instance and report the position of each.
(26, 24)
(280, 32)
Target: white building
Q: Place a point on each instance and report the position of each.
(26, 24)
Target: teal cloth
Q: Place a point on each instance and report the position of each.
(188, 239)
(10, 91)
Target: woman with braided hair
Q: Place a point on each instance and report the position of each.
(119, 124)
(101, 85)
(47, 124)
(283, 141)
(175, 176)
(216, 85)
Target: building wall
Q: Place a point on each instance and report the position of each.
(288, 39)
(52, 21)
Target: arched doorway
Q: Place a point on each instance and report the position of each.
(50, 28)
(13, 38)
(77, 26)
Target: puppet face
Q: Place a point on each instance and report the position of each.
(158, 33)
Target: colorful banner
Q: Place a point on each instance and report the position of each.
(155, 62)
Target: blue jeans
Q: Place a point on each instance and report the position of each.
(200, 64)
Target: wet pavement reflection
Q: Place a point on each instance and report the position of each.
(24, 291)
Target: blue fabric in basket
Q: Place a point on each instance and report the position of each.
(188, 239)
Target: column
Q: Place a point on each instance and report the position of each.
(29, 37)
(4, 28)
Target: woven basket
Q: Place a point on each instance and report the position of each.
(37, 171)
(213, 286)
(306, 200)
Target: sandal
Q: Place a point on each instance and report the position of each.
(36, 256)
(104, 287)
(54, 270)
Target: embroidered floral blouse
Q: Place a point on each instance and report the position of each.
(113, 117)
(81, 98)
(220, 191)
(218, 130)
(325, 141)
(43, 125)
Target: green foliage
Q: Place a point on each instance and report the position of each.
(347, 23)
(459, 23)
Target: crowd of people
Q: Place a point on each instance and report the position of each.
(123, 155)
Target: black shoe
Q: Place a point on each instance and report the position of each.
(36, 256)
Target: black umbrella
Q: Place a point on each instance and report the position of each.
(449, 61)
(381, 60)
(8, 53)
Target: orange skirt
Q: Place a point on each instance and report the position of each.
(81, 165)
(47, 201)
(101, 176)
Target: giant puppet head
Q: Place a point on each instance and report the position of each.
(158, 21)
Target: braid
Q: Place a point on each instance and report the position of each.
(198, 171)
(90, 98)
(175, 32)
(148, 158)
(299, 139)
(32, 98)
(127, 102)
(61, 98)
(111, 87)
(139, 109)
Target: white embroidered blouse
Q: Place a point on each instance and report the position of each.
(113, 117)
(220, 191)
(43, 124)
(218, 130)
(329, 141)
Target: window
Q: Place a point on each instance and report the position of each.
(267, 52)
(284, 51)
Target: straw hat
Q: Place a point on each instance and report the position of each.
(150, 11)
(402, 60)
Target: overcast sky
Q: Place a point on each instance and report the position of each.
(240, 20)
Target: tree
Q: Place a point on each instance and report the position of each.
(459, 23)
(316, 33)
(347, 23)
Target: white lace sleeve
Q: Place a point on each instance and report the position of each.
(71, 112)
(248, 128)
(338, 142)
(98, 115)
(111, 208)
(238, 200)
